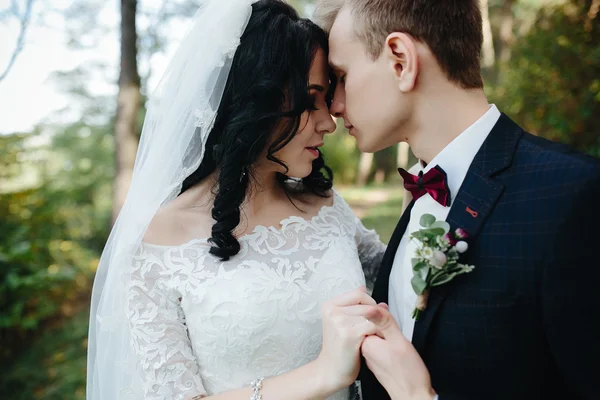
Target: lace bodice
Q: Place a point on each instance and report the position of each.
(202, 326)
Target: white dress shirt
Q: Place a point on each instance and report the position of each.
(455, 159)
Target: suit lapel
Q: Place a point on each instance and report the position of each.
(472, 205)
(380, 291)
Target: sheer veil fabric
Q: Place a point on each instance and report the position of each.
(181, 113)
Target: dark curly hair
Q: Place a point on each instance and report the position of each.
(262, 105)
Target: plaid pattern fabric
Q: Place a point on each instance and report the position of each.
(525, 323)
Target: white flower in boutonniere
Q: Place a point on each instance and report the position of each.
(427, 253)
(436, 260)
(443, 243)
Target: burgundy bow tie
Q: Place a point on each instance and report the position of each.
(433, 182)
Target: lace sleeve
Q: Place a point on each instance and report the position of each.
(159, 334)
(370, 250)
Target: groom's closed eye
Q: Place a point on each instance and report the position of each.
(338, 73)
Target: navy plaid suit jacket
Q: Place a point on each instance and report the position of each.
(525, 324)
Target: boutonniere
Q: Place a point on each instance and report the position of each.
(436, 260)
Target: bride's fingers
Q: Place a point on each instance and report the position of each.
(354, 297)
(350, 326)
(363, 327)
(361, 310)
(368, 320)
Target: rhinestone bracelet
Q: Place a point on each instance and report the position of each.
(257, 387)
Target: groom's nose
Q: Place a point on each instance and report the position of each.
(338, 104)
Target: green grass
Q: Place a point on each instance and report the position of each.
(379, 207)
(383, 218)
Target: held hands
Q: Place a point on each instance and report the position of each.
(353, 323)
(346, 323)
(394, 361)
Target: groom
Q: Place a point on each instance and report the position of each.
(525, 323)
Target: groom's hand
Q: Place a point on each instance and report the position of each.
(395, 362)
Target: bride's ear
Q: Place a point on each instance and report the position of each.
(401, 54)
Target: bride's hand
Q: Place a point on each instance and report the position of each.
(345, 325)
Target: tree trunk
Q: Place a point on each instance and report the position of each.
(489, 55)
(403, 155)
(507, 38)
(592, 14)
(379, 177)
(126, 131)
(364, 168)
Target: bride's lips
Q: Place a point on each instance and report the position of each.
(314, 150)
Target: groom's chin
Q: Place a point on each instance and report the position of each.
(366, 146)
(362, 144)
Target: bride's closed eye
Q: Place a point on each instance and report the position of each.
(317, 94)
(313, 103)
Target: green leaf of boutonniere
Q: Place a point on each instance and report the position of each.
(418, 284)
(427, 220)
(442, 278)
(419, 266)
(441, 224)
(425, 235)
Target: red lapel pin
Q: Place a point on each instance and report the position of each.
(473, 213)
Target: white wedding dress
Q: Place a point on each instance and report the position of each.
(202, 326)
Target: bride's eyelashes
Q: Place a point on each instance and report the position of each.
(315, 99)
(313, 103)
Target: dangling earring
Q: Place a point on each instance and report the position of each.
(244, 173)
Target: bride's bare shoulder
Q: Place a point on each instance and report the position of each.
(185, 218)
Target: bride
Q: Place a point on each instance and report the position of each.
(224, 277)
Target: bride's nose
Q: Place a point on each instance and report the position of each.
(326, 124)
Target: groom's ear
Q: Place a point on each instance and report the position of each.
(401, 54)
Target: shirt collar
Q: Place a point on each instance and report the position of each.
(456, 158)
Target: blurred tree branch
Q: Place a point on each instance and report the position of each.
(24, 18)
(592, 14)
(489, 56)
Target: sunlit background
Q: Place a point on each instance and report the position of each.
(59, 85)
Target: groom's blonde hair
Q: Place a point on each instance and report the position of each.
(452, 29)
